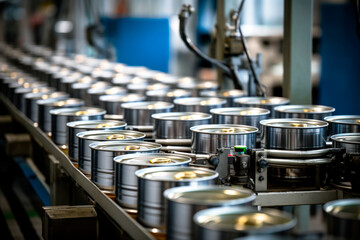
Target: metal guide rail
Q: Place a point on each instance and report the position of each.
(120, 217)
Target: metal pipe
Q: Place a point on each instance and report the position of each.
(297, 162)
(174, 142)
(300, 154)
(176, 148)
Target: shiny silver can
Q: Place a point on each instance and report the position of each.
(240, 115)
(342, 219)
(293, 134)
(318, 112)
(60, 117)
(198, 104)
(82, 126)
(45, 105)
(126, 182)
(166, 95)
(103, 154)
(139, 113)
(208, 138)
(89, 137)
(31, 106)
(228, 95)
(349, 141)
(176, 125)
(184, 202)
(112, 103)
(262, 102)
(95, 93)
(343, 124)
(154, 181)
(196, 86)
(237, 222)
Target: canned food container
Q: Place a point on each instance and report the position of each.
(57, 76)
(165, 79)
(60, 117)
(198, 104)
(196, 86)
(102, 75)
(103, 153)
(137, 88)
(262, 102)
(228, 95)
(112, 103)
(45, 105)
(18, 92)
(293, 134)
(184, 202)
(126, 182)
(166, 95)
(176, 125)
(95, 93)
(31, 106)
(154, 181)
(139, 113)
(66, 82)
(89, 137)
(304, 111)
(349, 141)
(208, 138)
(82, 126)
(21, 92)
(78, 90)
(157, 86)
(237, 222)
(342, 218)
(237, 115)
(343, 124)
(121, 79)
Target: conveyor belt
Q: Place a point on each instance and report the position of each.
(120, 217)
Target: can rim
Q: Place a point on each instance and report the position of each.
(333, 119)
(270, 122)
(220, 111)
(339, 138)
(87, 134)
(97, 145)
(342, 202)
(294, 108)
(83, 124)
(160, 116)
(244, 100)
(142, 105)
(194, 101)
(122, 159)
(69, 111)
(197, 129)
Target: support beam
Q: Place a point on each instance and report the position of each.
(298, 51)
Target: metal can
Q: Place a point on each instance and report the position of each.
(121, 79)
(45, 105)
(89, 137)
(139, 113)
(342, 218)
(112, 103)
(208, 138)
(176, 125)
(95, 93)
(198, 104)
(228, 95)
(196, 86)
(165, 79)
(82, 126)
(304, 111)
(60, 117)
(103, 153)
(184, 202)
(126, 182)
(293, 134)
(18, 92)
(237, 115)
(349, 141)
(343, 124)
(21, 92)
(237, 222)
(31, 106)
(66, 82)
(262, 102)
(166, 95)
(154, 181)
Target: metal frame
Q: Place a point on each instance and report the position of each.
(120, 217)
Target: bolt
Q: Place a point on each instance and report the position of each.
(261, 178)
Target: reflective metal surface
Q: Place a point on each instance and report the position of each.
(82, 126)
(262, 102)
(103, 153)
(126, 183)
(208, 138)
(176, 125)
(349, 141)
(112, 103)
(139, 113)
(236, 222)
(228, 95)
(293, 134)
(184, 202)
(198, 104)
(304, 111)
(60, 117)
(154, 181)
(89, 137)
(166, 95)
(343, 124)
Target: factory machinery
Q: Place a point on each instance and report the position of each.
(86, 115)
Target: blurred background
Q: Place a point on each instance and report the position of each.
(146, 33)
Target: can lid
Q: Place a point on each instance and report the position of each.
(108, 135)
(310, 109)
(97, 124)
(81, 111)
(224, 129)
(262, 100)
(203, 101)
(223, 93)
(182, 116)
(125, 146)
(294, 123)
(344, 208)
(147, 105)
(153, 159)
(344, 119)
(240, 111)
(352, 138)
(210, 195)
